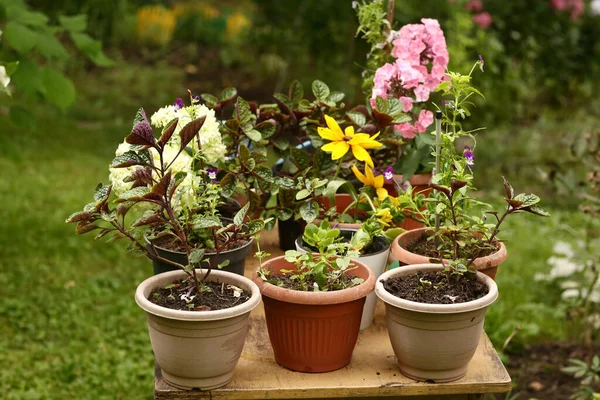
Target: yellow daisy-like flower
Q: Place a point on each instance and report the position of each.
(384, 216)
(341, 142)
(371, 180)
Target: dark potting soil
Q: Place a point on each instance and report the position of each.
(536, 371)
(344, 282)
(174, 244)
(428, 248)
(455, 289)
(215, 296)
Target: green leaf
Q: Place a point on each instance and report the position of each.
(74, 23)
(284, 182)
(265, 173)
(239, 217)
(51, 48)
(400, 119)
(266, 129)
(243, 114)
(300, 158)
(92, 48)
(320, 90)
(357, 117)
(283, 99)
(196, 256)
(227, 94)
(244, 153)
(381, 105)
(309, 211)
(285, 214)
(210, 100)
(21, 117)
(281, 143)
(127, 159)
(11, 67)
(32, 18)
(58, 89)
(537, 211)
(228, 184)
(296, 91)
(527, 199)
(254, 227)
(302, 194)
(20, 37)
(336, 97)
(254, 135)
(134, 194)
(209, 221)
(395, 106)
(101, 192)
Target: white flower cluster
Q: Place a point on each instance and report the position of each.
(213, 148)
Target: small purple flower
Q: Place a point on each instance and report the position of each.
(448, 103)
(482, 62)
(484, 217)
(195, 99)
(469, 156)
(212, 173)
(389, 173)
(179, 103)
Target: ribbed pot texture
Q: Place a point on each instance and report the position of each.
(434, 341)
(197, 349)
(488, 264)
(236, 257)
(313, 331)
(377, 263)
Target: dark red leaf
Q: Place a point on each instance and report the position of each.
(142, 135)
(191, 130)
(162, 186)
(167, 133)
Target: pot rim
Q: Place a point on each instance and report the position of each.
(299, 242)
(404, 304)
(144, 289)
(480, 262)
(315, 298)
(207, 253)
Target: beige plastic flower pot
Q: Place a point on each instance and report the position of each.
(488, 264)
(434, 341)
(197, 349)
(377, 263)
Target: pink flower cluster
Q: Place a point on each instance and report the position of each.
(480, 17)
(420, 66)
(575, 6)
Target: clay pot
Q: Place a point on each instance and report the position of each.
(236, 257)
(313, 331)
(488, 264)
(377, 263)
(434, 341)
(342, 201)
(420, 183)
(197, 349)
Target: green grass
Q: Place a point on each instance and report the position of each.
(69, 327)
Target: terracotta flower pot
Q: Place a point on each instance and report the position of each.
(434, 341)
(313, 331)
(197, 349)
(420, 183)
(488, 264)
(236, 257)
(377, 263)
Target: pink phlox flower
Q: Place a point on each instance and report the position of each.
(484, 19)
(422, 93)
(407, 102)
(406, 130)
(425, 119)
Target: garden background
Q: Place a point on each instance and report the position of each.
(69, 327)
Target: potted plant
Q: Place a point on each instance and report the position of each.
(368, 240)
(313, 306)
(435, 312)
(163, 189)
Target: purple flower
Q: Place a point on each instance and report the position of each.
(389, 173)
(469, 156)
(196, 98)
(212, 173)
(179, 103)
(482, 62)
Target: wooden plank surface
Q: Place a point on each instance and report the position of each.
(371, 373)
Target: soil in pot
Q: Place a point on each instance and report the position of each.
(427, 248)
(215, 296)
(435, 288)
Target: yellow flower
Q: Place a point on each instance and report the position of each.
(371, 180)
(384, 216)
(341, 142)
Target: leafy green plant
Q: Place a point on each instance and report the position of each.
(33, 53)
(590, 378)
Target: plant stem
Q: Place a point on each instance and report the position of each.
(339, 167)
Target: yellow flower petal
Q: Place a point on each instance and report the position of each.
(382, 193)
(359, 175)
(337, 149)
(370, 177)
(328, 134)
(363, 140)
(378, 182)
(362, 155)
(349, 131)
(335, 128)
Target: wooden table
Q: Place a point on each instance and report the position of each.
(372, 373)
